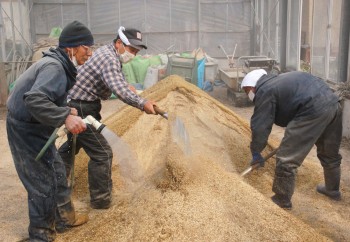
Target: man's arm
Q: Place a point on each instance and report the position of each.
(114, 78)
(262, 121)
(49, 86)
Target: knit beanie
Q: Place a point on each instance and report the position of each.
(75, 34)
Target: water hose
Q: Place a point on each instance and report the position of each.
(51, 140)
(74, 145)
(88, 120)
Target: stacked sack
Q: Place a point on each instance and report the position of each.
(144, 71)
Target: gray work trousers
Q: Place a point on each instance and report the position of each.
(325, 131)
(99, 151)
(49, 197)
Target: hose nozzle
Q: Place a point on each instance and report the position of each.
(96, 124)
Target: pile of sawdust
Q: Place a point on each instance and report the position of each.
(200, 197)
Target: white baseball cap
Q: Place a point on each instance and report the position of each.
(252, 78)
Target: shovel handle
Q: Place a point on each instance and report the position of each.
(158, 110)
(253, 167)
(269, 155)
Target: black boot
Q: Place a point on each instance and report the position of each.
(282, 201)
(67, 218)
(79, 219)
(284, 189)
(332, 181)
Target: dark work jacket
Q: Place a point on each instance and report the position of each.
(37, 105)
(40, 93)
(286, 97)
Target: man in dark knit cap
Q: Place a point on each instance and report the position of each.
(97, 79)
(36, 106)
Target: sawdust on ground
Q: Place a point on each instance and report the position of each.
(201, 196)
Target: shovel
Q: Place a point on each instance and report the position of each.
(161, 112)
(179, 132)
(253, 167)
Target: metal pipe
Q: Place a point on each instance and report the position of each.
(62, 23)
(268, 28)
(226, 25)
(289, 6)
(170, 22)
(145, 24)
(199, 23)
(344, 44)
(253, 28)
(298, 42)
(87, 2)
(283, 28)
(277, 53)
(18, 62)
(2, 36)
(13, 32)
(261, 35)
(119, 18)
(328, 39)
(21, 25)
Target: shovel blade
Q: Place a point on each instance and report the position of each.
(181, 136)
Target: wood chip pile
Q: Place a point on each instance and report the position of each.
(197, 197)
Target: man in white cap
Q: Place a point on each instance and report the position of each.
(97, 79)
(36, 106)
(311, 113)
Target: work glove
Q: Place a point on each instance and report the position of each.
(257, 158)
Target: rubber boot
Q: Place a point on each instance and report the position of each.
(282, 201)
(101, 205)
(79, 219)
(332, 181)
(67, 218)
(283, 187)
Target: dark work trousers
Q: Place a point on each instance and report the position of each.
(324, 130)
(99, 152)
(49, 197)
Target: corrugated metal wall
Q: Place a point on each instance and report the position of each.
(183, 24)
(258, 27)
